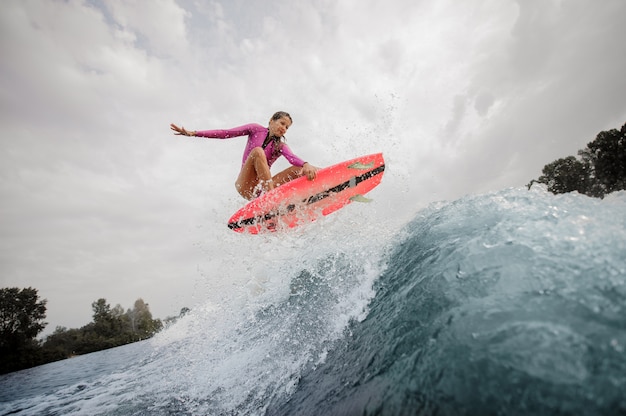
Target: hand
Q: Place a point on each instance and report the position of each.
(309, 171)
(180, 131)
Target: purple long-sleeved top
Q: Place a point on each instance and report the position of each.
(256, 136)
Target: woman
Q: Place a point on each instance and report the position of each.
(265, 145)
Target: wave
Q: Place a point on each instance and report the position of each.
(506, 303)
(510, 302)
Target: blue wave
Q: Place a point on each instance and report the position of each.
(507, 303)
(510, 303)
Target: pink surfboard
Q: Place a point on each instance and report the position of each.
(302, 200)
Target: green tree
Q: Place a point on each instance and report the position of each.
(600, 170)
(21, 320)
(101, 311)
(565, 175)
(607, 155)
(107, 322)
(141, 323)
(21, 316)
(106, 330)
(62, 343)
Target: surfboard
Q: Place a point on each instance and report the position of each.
(302, 200)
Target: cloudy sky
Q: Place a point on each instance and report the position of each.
(99, 199)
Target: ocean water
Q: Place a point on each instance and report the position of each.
(512, 302)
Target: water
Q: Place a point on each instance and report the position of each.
(512, 302)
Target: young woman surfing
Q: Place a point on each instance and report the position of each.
(265, 145)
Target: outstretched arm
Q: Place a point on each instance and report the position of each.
(180, 131)
(248, 129)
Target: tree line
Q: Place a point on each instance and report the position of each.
(599, 169)
(22, 315)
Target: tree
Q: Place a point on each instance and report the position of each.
(607, 154)
(62, 343)
(21, 315)
(21, 320)
(101, 311)
(600, 170)
(141, 323)
(105, 324)
(565, 175)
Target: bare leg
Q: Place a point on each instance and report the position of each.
(255, 171)
(287, 175)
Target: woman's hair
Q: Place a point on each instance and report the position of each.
(280, 114)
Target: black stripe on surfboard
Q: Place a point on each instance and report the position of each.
(351, 183)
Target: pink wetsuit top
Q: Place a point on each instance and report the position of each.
(256, 136)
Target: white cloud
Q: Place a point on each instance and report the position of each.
(160, 28)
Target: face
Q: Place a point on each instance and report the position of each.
(279, 127)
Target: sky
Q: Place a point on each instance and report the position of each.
(100, 200)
